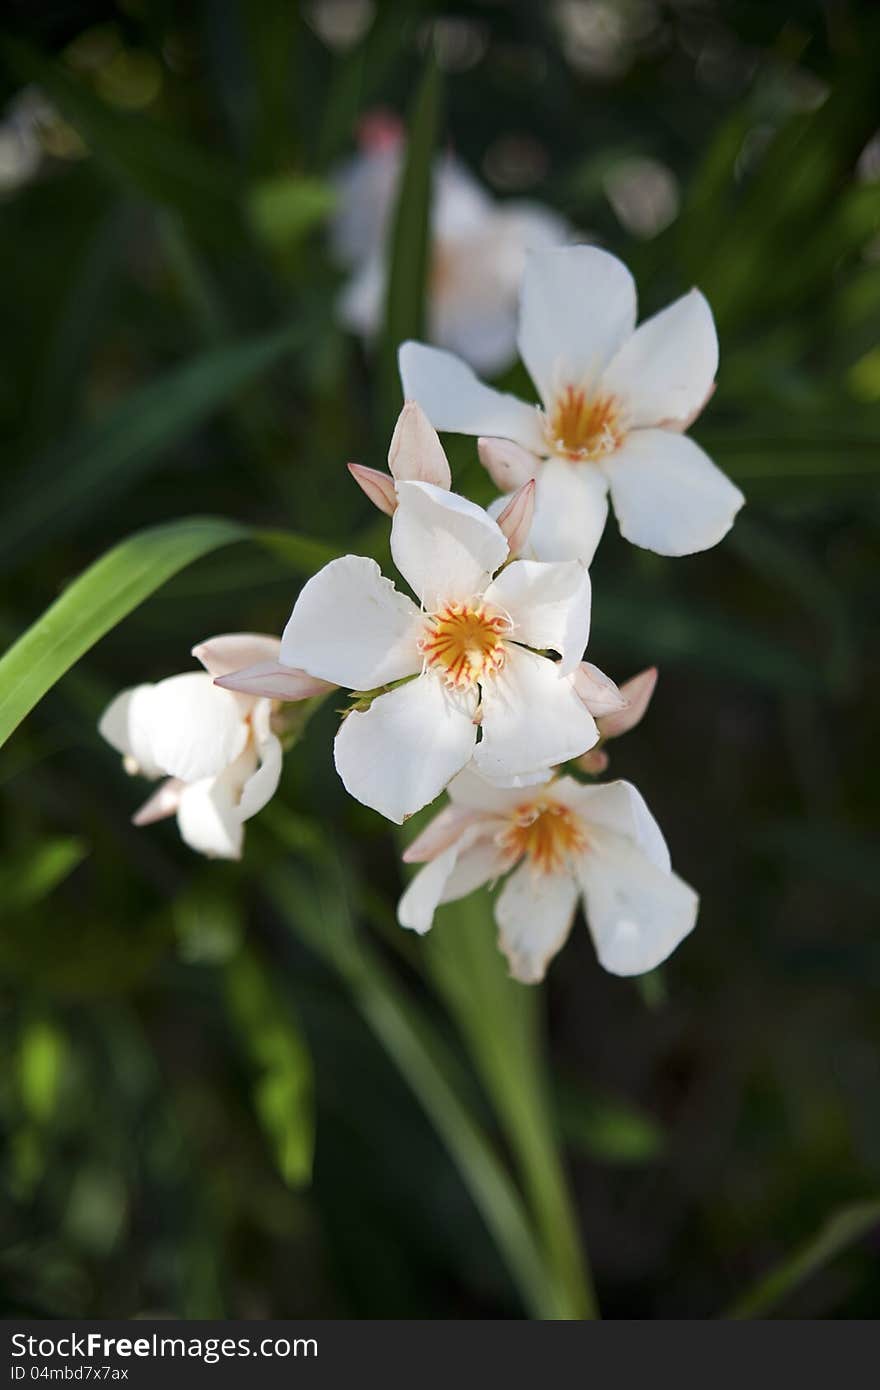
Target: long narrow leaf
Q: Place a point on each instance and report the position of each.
(96, 602)
(841, 1230)
(317, 911)
(109, 457)
(410, 239)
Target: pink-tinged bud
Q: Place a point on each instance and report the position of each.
(416, 454)
(232, 650)
(379, 130)
(378, 487)
(439, 834)
(508, 465)
(597, 691)
(162, 804)
(638, 692)
(272, 681)
(595, 762)
(516, 519)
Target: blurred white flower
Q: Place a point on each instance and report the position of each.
(643, 194)
(564, 841)
(470, 659)
(21, 146)
(478, 250)
(615, 402)
(217, 749)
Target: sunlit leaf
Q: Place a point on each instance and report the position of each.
(283, 1086)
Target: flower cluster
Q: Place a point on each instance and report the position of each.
(475, 682)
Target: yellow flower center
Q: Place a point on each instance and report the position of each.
(464, 643)
(546, 832)
(583, 427)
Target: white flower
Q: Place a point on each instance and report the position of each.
(563, 841)
(615, 400)
(478, 253)
(216, 748)
(474, 650)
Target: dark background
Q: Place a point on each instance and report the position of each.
(158, 1013)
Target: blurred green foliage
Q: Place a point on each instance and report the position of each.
(178, 1035)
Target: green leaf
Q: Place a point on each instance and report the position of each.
(498, 1019)
(317, 910)
(132, 439)
(283, 208)
(31, 874)
(841, 1230)
(156, 161)
(96, 602)
(410, 240)
(41, 1053)
(283, 1090)
(607, 1129)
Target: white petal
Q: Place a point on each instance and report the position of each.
(508, 464)
(532, 717)
(415, 453)
(464, 866)
(350, 626)
(233, 650)
(461, 204)
(208, 817)
(637, 913)
(620, 807)
(534, 913)
(571, 507)
(271, 680)
(665, 371)
(126, 724)
(598, 691)
(262, 784)
(472, 320)
(453, 398)
(477, 863)
(520, 780)
(473, 791)
(365, 187)
(445, 547)
(400, 753)
(549, 606)
(668, 495)
(578, 306)
(196, 729)
(163, 803)
(359, 306)
(440, 832)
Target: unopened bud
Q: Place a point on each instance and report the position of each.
(270, 680)
(416, 454)
(516, 519)
(379, 487)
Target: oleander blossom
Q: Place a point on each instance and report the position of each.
(615, 400)
(560, 842)
(478, 249)
(463, 673)
(216, 748)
